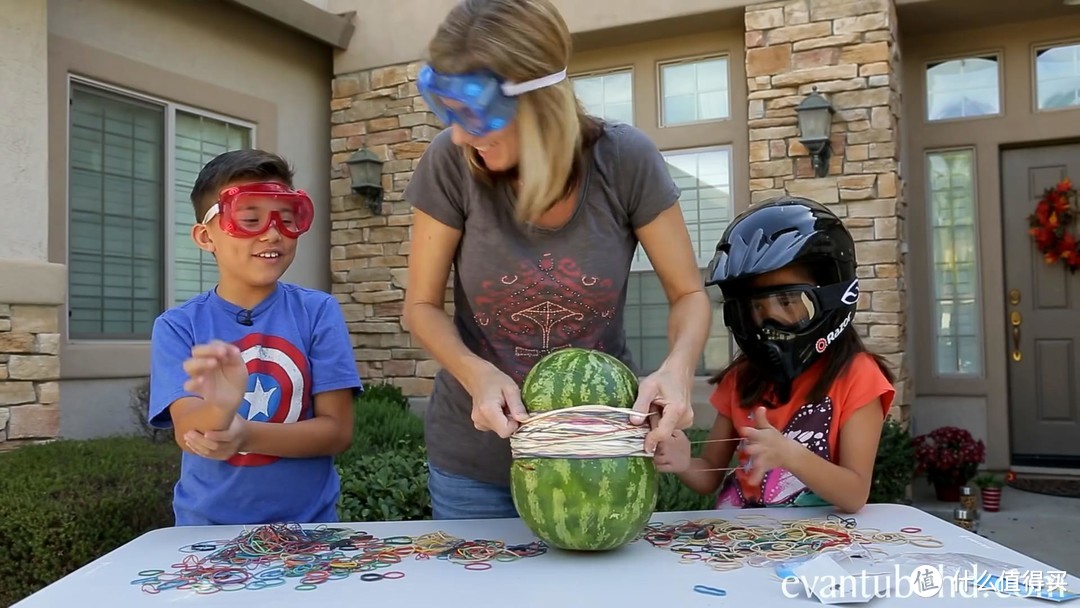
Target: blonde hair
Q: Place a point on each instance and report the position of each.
(521, 40)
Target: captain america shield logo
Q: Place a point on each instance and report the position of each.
(278, 386)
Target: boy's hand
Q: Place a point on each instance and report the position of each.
(673, 454)
(218, 374)
(218, 445)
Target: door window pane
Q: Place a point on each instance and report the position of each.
(957, 333)
(694, 91)
(963, 88)
(1057, 77)
(116, 182)
(608, 96)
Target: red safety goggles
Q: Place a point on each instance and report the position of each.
(248, 210)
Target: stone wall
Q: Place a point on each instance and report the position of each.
(848, 49)
(380, 110)
(29, 371)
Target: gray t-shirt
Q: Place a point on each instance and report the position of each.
(522, 292)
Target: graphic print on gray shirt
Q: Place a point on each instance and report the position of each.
(521, 292)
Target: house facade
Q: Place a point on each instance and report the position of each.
(108, 110)
(948, 123)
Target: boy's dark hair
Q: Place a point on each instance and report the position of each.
(246, 164)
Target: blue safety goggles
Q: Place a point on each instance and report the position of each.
(480, 102)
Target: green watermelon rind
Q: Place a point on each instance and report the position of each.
(544, 486)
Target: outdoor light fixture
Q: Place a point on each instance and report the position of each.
(365, 173)
(815, 124)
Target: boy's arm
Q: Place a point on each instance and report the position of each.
(171, 404)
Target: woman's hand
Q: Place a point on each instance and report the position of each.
(497, 403)
(673, 454)
(669, 393)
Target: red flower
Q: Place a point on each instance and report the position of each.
(948, 455)
(1050, 226)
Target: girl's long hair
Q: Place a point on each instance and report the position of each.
(521, 40)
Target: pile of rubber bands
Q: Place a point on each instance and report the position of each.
(272, 555)
(759, 541)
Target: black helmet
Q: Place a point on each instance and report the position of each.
(769, 236)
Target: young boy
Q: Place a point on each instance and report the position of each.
(256, 376)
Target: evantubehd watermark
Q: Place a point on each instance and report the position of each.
(929, 581)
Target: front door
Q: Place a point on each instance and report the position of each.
(1042, 317)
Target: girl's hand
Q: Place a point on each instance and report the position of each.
(766, 447)
(673, 454)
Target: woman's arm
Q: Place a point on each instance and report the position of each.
(424, 315)
(667, 243)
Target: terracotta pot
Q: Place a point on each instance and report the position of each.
(991, 499)
(947, 492)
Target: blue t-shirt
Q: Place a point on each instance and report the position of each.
(295, 347)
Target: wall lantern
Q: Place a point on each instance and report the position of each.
(815, 125)
(365, 173)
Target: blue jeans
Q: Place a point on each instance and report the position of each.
(459, 497)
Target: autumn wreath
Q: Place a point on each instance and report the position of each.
(1052, 225)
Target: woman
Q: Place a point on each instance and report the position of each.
(539, 208)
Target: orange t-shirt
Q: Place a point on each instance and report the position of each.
(814, 425)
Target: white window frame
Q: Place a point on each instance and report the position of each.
(1034, 63)
(170, 108)
(660, 65)
(999, 59)
(627, 69)
(645, 265)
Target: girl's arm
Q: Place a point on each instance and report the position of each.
(715, 455)
(845, 485)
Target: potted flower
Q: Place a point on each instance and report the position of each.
(990, 485)
(949, 456)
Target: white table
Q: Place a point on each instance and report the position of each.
(637, 575)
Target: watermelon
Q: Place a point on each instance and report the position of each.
(583, 504)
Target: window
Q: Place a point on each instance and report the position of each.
(1057, 77)
(694, 91)
(608, 95)
(955, 314)
(963, 88)
(704, 176)
(132, 163)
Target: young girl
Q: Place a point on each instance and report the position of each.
(804, 401)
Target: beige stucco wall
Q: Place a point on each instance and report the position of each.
(232, 51)
(396, 31)
(220, 58)
(23, 127)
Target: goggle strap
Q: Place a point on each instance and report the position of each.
(513, 89)
(211, 212)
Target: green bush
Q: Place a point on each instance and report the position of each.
(66, 503)
(388, 486)
(382, 424)
(894, 467)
